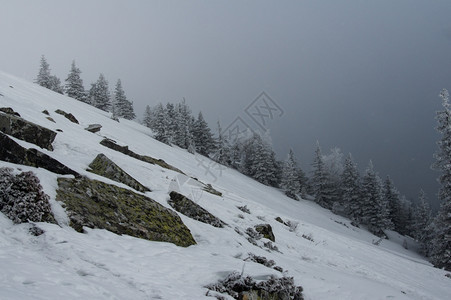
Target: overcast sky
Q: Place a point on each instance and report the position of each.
(359, 75)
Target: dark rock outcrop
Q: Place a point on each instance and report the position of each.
(12, 152)
(27, 131)
(95, 204)
(266, 231)
(93, 128)
(124, 149)
(104, 166)
(9, 111)
(68, 116)
(190, 209)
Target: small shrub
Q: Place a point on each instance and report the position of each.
(261, 260)
(308, 237)
(22, 198)
(271, 246)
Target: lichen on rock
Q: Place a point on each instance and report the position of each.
(104, 166)
(190, 209)
(95, 204)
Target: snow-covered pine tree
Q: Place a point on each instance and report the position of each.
(441, 252)
(334, 166)
(55, 85)
(350, 190)
(171, 122)
(147, 117)
(160, 124)
(422, 226)
(43, 78)
(222, 153)
(290, 180)
(203, 138)
(392, 198)
(99, 94)
(303, 182)
(320, 180)
(74, 84)
(374, 208)
(123, 107)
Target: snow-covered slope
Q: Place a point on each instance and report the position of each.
(325, 254)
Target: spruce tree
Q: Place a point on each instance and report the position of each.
(350, 190)
(392, 198)
(223, 151)
(147, 118)
(44, 77)
(203, 138)
(100, 95)
(290, 180)
(423, 227)
(160, 124)
(123, 107)
(441, 252)
(74, 84)
(320, 181)
(55, 85)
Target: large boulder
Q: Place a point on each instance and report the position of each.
(27, 131)
(95, 204)
(14, 153)
(104, 166)
(190, 209)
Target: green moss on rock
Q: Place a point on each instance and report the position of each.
(104, 166)
(95, 204)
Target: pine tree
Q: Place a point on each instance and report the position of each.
(159, 123)
(203, 138)
(123, 107)
(392, 198)
(147, 118)
(43, 78)
(350, 186)
(222, 153)
(74, 84)
(320, 181)
(290, 180)
(422, 228)
(55, 85)
(374, 209)
(441, 252)
(99, 94)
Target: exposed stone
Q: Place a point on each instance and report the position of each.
(9, 111)
(266, 231)
(27, 131)
(12, 152)
(68, 116)
(208, 188)
(50, 119)
(46, 112)
(190, 209)
(103, 166)
(93, 128)
(95, 204)
(124, 149)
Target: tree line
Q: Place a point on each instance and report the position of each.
(334, 182)
(98, 95)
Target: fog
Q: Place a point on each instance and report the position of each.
(360, 76)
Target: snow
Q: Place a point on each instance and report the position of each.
(339, 262)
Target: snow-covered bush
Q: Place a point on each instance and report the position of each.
(240, 287)
(22, 198)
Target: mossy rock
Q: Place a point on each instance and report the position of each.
(190, 209)
(104, 166)
(266, 231)
(124, 149)
(27, 131)
(95, 204)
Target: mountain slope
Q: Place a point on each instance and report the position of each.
(326, 255)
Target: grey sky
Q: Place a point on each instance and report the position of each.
(360, 75)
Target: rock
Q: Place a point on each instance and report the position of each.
(103, 166)
(95, 204)
(68, 116)
(124, 149)
(46, 112)
(208, 188)
(12, 152)
(266, 231)
(93, 128)
(50, 119)
(9, 111)
(190, 209)
(27, 131)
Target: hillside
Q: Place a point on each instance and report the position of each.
(326, 255)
